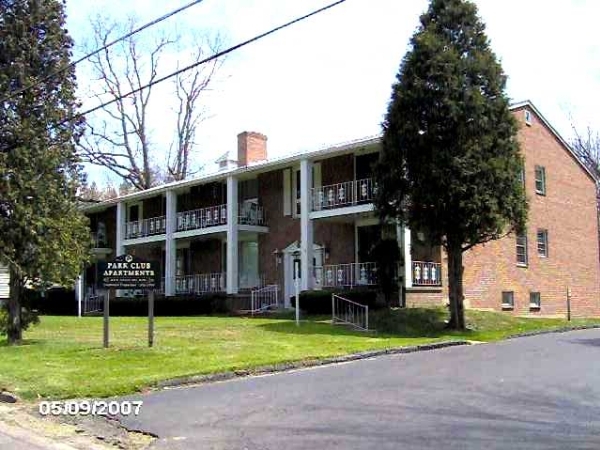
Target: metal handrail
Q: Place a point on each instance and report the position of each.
(349, 317)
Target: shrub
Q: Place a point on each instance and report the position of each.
(170, 306)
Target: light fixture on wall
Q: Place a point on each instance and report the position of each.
(326, 253)
(278, 256)
(421, 236)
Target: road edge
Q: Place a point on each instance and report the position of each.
(302, 364)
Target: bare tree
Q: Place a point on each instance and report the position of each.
(587, 148)
(189, 87)
(119, 136)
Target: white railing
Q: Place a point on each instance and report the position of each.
(426, 273)
(345, 275)
(146, 227)
(200, 283)
(202, 218)
(264, 298)
(348, 312)
(347, 193)
(251, 214)
(92, 304)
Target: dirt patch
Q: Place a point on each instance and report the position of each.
(78, 432)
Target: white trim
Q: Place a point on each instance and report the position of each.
(253, 228)
(348, 210)
(144, 240)
(200, 232)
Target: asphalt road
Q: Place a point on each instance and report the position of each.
(531, 393)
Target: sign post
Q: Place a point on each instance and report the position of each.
(106, 315)
(150, 318)
(129, 272)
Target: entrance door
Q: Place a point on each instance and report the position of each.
(292, 265)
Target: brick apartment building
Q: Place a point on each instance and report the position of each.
(257, 221)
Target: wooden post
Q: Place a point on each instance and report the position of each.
(151, 318)
(569, 304)
(106, 315)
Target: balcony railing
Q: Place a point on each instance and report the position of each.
(146, 227)
(348, 193)
(426, 273)
(251, 214)
(202, 218)
(346, 275)
(200, 283)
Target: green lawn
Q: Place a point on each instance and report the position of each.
(63, 356)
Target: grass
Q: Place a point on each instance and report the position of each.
(63, 356)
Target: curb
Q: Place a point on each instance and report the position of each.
(555, 330)
(286, 367)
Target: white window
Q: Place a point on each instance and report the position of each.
(540, 180)
(542, 243)
(535, 301)
(527, 117)
(508, 300)
(522, 249)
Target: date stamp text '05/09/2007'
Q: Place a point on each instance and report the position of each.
(90, 407)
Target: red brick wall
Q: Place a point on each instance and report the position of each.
(283, 230)
(568, 212)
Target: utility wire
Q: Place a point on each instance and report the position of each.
(101, 49)
(204, 61)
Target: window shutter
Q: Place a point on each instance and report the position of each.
(317, 175)
(287, 192)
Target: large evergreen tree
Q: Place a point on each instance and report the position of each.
(450, 160)
(43, 236)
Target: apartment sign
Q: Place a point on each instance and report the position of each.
(129, 272)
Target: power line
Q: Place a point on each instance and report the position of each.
(105, 47)
(198, 63)
(204, 61)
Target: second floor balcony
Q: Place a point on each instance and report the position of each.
(197, 219)
(340, 195)
(146, 227)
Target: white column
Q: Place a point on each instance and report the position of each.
(120, 234)
(170, 244)
(232, 235)
(79, 293)
(407, 258)
(306, 225)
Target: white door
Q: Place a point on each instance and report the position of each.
(292, 265)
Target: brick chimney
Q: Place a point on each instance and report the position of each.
(252, 148)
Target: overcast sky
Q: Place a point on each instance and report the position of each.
(328, 79)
